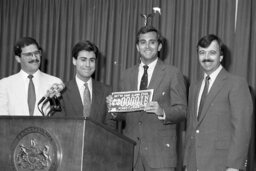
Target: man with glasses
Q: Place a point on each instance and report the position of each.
(20, 93)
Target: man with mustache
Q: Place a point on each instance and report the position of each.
(219, 114)
(20, 93)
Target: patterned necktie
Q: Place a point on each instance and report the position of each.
(203, 97)
(87, 101)
(144, 79)
(31, 96)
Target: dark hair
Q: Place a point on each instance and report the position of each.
(147, 29)
(84, 45)
(24, 41)
(205, 42)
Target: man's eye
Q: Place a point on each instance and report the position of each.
(201, 53)
(142, 42)
(153, 42)
(213, 52)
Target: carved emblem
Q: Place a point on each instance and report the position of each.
(35, 149)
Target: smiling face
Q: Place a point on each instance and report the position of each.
(29, 58)
(148, 47)
(85, 64)
(210, 57)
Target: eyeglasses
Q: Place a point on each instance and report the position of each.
(31, 54)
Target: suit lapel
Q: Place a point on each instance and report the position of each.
(134, 78)
(157, 76)
(96, 100)
(76, 101)
(195, 96)
(216, 87)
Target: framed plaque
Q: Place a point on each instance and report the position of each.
(130, 101)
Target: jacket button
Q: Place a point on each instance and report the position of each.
(197, 131)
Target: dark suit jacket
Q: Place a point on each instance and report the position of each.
(221, 137)
(156, 139)
(72, 105)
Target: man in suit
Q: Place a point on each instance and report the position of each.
(14, 90)
(74, 97)
(219, 115)
(154, 129)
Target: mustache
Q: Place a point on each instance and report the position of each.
(34, 61)
(207, 60)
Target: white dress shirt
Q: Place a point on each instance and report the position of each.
(150, 70)
(14, 92)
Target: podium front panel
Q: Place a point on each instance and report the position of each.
(41, 144)
(62, 144)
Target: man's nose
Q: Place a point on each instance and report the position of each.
(147, 45)
(87, 63)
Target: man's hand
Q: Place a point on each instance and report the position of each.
(154, 107)
(109, 99)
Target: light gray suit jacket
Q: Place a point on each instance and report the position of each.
(221, 137)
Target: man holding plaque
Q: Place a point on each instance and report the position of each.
(154, 127)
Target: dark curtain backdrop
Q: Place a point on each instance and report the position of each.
(112, 24)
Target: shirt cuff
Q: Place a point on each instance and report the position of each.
(162, 117)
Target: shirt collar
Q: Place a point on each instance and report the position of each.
(151, 66)
(25, 75)
(80, 82)
(214, 74)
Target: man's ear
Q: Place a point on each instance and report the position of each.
(17, 58)
(74, 61)
(160, 46)
(137, 46)
(221, 58)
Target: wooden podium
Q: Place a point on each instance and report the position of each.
(62, 144)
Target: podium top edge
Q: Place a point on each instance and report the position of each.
(41, 117)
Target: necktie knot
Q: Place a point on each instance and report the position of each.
(207, 78)
(30, 76)
(145, 67)
(86, 85)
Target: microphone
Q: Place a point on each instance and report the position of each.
(51, 95)
(54, 91)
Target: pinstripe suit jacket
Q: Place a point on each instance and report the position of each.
(156, 139)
